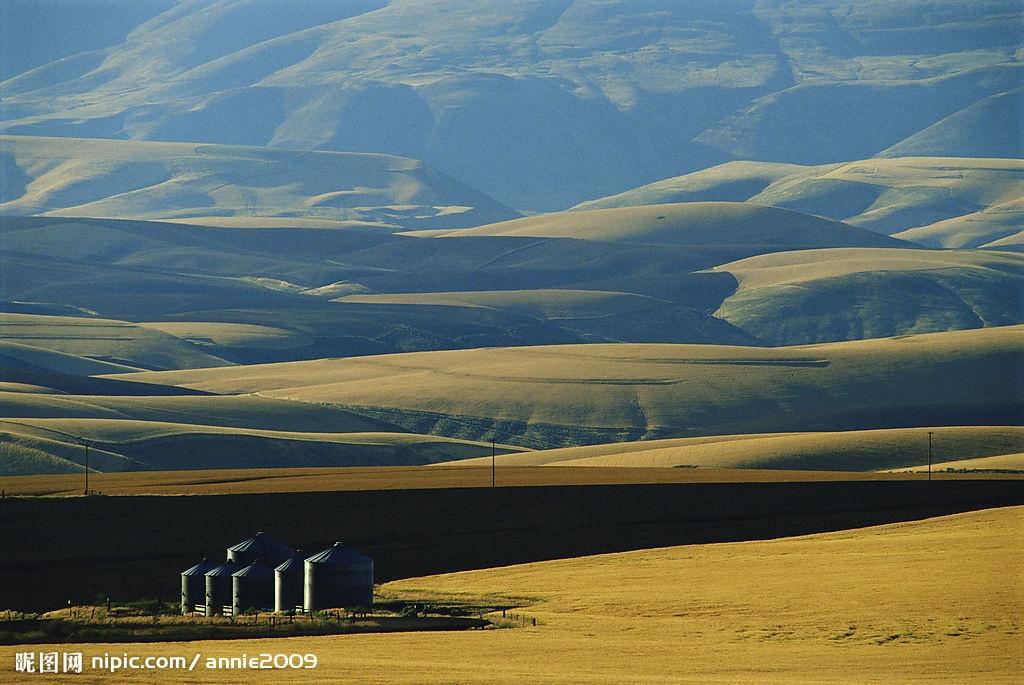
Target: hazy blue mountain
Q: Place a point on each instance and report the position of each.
(539, 103)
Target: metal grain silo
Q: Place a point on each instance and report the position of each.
(288, 586)
(193, 585)
(218, 586)
(252, 588)
(338, 577)
(260, 546)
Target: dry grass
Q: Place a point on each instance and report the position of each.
(90, 339)
(649, 390)
(687, 223)
(788, 268)
(236, 185)
(221, 334)
(939, 600)
(131, 445)
(999, 462)
(866, 450)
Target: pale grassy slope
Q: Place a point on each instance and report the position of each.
(867, 450)
(995, 227)
(889, 195)
(246, 411)
(828, 608)
(53, 446)
(220, 334)
(627, 391)
(789, 268)
(842, 294)
(41, 432)
(283, 279)
(105, 340)
(730, 182)
(957, 134)
(978, 196)
(999, 462)
(12, 353)
(693, 223)
(148, 180)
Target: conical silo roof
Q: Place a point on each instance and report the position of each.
(263, 545)
(201, 568)
(256, 569)
(228, 568)
(338, 553)
(293, 564)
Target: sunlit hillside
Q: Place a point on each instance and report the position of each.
(963, 447)
(232, 185)
(934, 201)
(842, 294)
(553, 396)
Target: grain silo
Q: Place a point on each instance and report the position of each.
(260, 546)
(193, 585)
(252, 588)
(338, 577)
(218, 586)
(288, 587)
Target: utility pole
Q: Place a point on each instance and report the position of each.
(930, 455)
(86, 468)
(494, 475)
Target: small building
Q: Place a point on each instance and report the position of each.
(219, 588)
(260, 546)
(288, 585)
(193, 585)
(338, 577)
(252, 588)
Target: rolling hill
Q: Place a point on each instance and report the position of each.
(1001, 222)
(203, 295)
(593, 315)
(232, 185)
(956, 135)
(834, 121)
(974, 447)
(55, 446)
(934, 201)
(695, 224)
(93, 338)
(246, 295)
(539, 104)
(563, 395)
(848, 293)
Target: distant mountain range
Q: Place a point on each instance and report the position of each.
(541, 104)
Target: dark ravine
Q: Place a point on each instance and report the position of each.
(55, 550)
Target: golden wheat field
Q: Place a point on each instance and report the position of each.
(939, 600)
